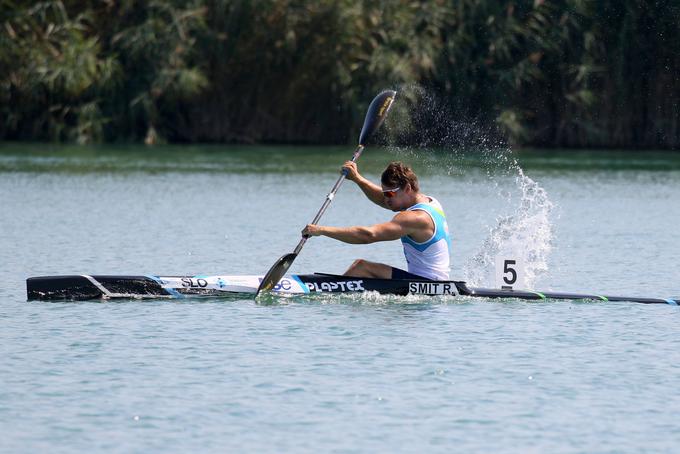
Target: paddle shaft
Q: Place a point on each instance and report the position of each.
(329, 198)
(377, 111)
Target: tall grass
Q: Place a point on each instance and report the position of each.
(552, 73)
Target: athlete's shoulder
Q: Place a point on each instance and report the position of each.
(433, 202)
(412, 217)
(430, 204)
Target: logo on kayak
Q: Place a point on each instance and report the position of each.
(282, 285)
(190, 282)
(336, 286)
(432, 288)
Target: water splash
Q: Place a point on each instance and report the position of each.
(526, 234)
(440, 137)
(423, 118)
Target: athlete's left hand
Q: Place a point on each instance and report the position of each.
(311, 230)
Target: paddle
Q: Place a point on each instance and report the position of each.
(375, 115)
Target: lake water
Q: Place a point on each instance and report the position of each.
(337, 374)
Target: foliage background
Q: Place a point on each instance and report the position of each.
(550, 73)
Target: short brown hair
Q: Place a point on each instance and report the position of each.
(397, 174)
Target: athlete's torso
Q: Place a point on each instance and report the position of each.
(430, 259)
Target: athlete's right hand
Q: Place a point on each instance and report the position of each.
(352, 171)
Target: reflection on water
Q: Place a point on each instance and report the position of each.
(303, 159)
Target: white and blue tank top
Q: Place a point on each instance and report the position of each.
(430, 259)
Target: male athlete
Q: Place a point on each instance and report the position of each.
(420, 223)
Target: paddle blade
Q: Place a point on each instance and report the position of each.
(376, 114)
(276, 272)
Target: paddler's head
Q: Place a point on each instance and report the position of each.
(399, 186)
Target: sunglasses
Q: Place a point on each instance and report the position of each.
(389, 193)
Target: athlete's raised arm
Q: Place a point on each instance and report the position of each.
(372, 190)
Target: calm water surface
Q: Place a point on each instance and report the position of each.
(336, 374)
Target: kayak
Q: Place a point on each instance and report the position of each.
(92, 287)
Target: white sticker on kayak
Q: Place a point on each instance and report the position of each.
(229, 284)
(509, 272)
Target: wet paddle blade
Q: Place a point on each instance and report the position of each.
(276, 272)
(377, 111)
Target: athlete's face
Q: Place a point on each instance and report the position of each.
(396, 198)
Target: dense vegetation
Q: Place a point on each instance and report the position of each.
(543, 72)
